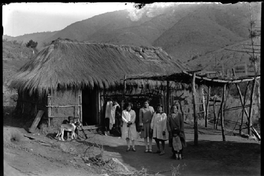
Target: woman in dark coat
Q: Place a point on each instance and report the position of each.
(175, 127)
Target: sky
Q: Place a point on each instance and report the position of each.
(24, 18)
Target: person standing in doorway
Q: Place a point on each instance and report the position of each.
(108, 108)
(145, 117)
(176, 129)
(129, 131)
(159, 127)
(112, 118)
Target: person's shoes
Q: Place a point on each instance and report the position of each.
(162, 153)
(128, 149)
(146, 151)
(150, 150)
(133, 149)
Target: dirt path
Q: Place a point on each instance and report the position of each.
(237, 156)
(43, 156)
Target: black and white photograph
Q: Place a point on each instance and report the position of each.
(131, 89)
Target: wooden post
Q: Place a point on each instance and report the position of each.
(183, 115)
(49, 109)
(243, 102)
(246, 70)
(207, 106)
(214, 113)
(168, 97)
(194, 111)
(36, 121)
(80, 106)
(222, 113)
(124, 92)
(251, 105)
(203, 102)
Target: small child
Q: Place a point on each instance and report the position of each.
(176, 144)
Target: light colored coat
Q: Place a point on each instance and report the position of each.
(159, 124)
(129, 132)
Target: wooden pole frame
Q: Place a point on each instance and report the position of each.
(207, 106)
(222, 113)
(203, 102)
(251, 106)
(168, 98)
(215, 117)
(124, 94)
(194, 111)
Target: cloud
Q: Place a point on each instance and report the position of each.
(150, 10)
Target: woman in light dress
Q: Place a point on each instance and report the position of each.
(129, 131)
(159, 127)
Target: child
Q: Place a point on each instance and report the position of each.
(159, 127)
(176, 129)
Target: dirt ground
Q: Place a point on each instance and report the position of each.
(42, 155)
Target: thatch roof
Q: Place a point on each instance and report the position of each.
(66, 63)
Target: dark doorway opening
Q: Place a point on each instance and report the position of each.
(89, 107)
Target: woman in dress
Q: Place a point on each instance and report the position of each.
(159, 127)
(129, 131)
(176, 130)
(145, 117)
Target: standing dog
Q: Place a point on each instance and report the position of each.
(71, 126)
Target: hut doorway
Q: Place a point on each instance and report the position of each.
(89, 116)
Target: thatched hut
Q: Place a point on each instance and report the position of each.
(67, 77)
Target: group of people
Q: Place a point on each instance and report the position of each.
(154, 125)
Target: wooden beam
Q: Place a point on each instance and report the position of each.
(124, 92)
(49, 109)
(36, 121)
(222, 113)
(203, 101)
(207, 105)
(244, 102)
(215, 124)
(251, 106)
(168, 97)
(194, 111)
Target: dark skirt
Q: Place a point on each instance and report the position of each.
(146, 131)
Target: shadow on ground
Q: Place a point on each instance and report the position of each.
(208, 158)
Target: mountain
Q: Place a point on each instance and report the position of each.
(185, 31)
(39, 37)
(208, 28)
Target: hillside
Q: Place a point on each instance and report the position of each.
(234, 56)
(183, 30)
(15, 55)
(208, 28)
(39, 37)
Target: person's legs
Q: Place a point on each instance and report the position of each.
(180, 154)
(133, 145)
(150, 144)
(107, 126)
(146, 144)
(176, 155)
(128, 144)
(158, 146)
(163, 147)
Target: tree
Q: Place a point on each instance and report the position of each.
(33, 45)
